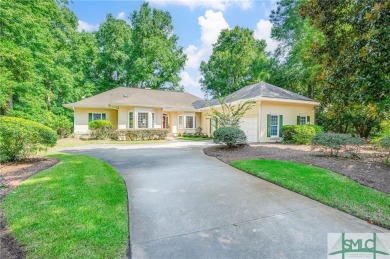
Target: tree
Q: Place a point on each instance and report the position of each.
(354, 57)
(155, 58)
(113, 63)
(230, 113)
(238, 59)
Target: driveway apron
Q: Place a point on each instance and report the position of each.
(184, 204)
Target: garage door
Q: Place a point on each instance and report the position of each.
(249, 126)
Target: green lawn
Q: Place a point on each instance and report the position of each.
(192, 138)
(63, 143)
(76, 209)
(325, 186)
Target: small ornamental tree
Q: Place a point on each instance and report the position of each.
(230, 113)
(20, 138)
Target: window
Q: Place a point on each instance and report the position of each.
(96, 116)
(143, 120)
(180, 122)
(302, 120)
(189, 122)
(131, 120)
(274, 125)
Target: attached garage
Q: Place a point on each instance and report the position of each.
(250, 125)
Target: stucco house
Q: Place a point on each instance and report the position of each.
(179, 112)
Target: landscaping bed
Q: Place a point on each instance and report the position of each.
(367, 169)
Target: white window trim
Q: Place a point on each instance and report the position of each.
(277, 126)
(128, 118)
(149, 119)
(185, 121)
(101, 115)
(182, 122)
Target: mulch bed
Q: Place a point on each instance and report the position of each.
(11, 176)
(367, 169)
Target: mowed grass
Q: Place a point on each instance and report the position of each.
(76, 209)
(325, 186)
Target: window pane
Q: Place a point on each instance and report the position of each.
(96, 116)
(143, 120)
(303, 120)
(274, 125)
(131, 120)
(189, 122)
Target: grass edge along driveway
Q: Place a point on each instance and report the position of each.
(75, 209)
(325, 186)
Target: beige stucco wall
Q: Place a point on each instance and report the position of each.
(290, 111)
(123, 116)
(81, 118)
(174, 122)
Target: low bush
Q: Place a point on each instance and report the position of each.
(139, 134)
(20, 138)
(385, 144)
(300, 134)
(100, 129)
(229, 136)
(336, 142)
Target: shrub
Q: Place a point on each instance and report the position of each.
(139, 134)
(300, 134)
(385, 144)
(229, 136)
(336, 142)
(100, 129)
(20, 138)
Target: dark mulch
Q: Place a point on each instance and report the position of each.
(367, 169)
(12, 175)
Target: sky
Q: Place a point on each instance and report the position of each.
(197, 23)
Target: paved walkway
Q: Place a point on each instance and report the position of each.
(184, 204)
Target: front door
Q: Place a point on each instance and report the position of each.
(165, 121)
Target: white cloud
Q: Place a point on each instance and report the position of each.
(211, 25)
(121, 15)
(263, 31)
(211, 4)
(84, 26)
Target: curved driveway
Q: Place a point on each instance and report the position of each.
(184, 204)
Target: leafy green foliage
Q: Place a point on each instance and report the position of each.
(336, 142)
(101, 129)
(77, 208)
(300, 134)
(140, 134)
(238, 59)
(156, 60)
(322, 185)
(20, 138)
(385, 144)
(354, 57)
(229, 113)
(230, 136)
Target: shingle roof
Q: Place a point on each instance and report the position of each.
(126, 96)
(179, 101)
(260, 89)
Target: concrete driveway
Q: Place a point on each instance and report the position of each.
(184, 204)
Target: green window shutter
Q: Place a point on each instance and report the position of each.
(280, 125)
(308, 120)
(89, 117)
(298, 120)
(103, 116)
(268, 125)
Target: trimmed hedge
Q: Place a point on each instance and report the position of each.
(139, 134)
(20, 138)
(101, 129)
(229, 136)
(300, 134)
(336, 142)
